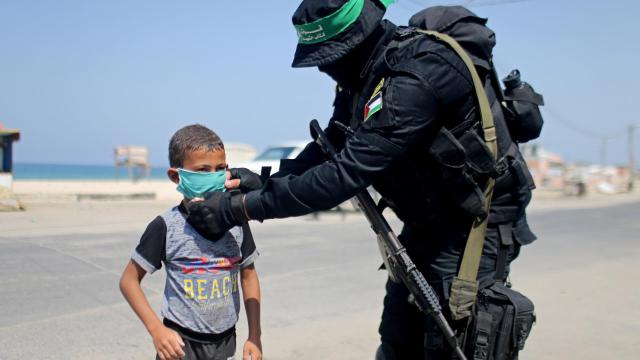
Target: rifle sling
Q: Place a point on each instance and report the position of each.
(464, 287)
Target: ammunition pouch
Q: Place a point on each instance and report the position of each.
(522, 113)
(512, 189)
(466, 164)
(502, 321)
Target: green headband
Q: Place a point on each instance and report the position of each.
(332, 25)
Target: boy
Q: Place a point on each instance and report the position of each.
(201, 300)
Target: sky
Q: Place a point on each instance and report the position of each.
(80, 77)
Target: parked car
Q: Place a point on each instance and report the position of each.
(272, 155)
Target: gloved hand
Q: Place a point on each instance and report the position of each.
(217, 213)
(243, 179)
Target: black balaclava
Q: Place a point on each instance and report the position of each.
(347, 69)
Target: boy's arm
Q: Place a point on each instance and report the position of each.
(167, 342)
(251, 296)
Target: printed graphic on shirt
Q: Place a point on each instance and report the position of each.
(203, 265)
(209, 281)
(203, 283)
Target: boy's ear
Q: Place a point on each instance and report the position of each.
(173, 175)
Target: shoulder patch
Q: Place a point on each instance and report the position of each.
(375, 101)
(378, 87)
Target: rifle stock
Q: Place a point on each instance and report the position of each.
(398, 263)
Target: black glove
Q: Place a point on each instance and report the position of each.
(217, 213)
(248, 179)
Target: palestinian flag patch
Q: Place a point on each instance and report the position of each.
(373, 106)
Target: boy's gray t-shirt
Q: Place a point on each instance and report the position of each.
(202, 287)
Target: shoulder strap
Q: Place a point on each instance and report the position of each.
(465, 286)
(483, 101)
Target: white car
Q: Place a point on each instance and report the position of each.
(289, 150)
(272, 156)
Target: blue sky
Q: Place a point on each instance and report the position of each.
(80, 77)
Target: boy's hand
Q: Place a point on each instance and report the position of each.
(168, 343)
(252, 350)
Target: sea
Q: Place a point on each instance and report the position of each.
(34, 171)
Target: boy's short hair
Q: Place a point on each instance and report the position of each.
(192, 138)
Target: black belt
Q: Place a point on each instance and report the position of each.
(198, 336)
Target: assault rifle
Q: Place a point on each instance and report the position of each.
(396, 259)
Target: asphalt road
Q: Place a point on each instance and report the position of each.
(322, 295)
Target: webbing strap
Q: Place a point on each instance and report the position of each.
(483, 100)
(464, 288)
(506, 242)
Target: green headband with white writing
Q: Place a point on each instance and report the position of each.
(332, 25)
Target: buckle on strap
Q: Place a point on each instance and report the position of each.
(500, 168)
(483, 337)
(404, 33)
(502, 165)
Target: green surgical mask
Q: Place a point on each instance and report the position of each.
(195, 184)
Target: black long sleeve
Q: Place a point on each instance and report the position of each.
(409, 112)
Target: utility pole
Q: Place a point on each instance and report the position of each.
(632, 158)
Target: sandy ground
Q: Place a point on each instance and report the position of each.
(64, 190)
(60, 260)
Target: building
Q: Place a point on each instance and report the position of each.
(547, 168)
(7, 138)
(551, 172)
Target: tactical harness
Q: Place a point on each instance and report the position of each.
(465, 286)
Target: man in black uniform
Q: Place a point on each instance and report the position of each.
(396, 91)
